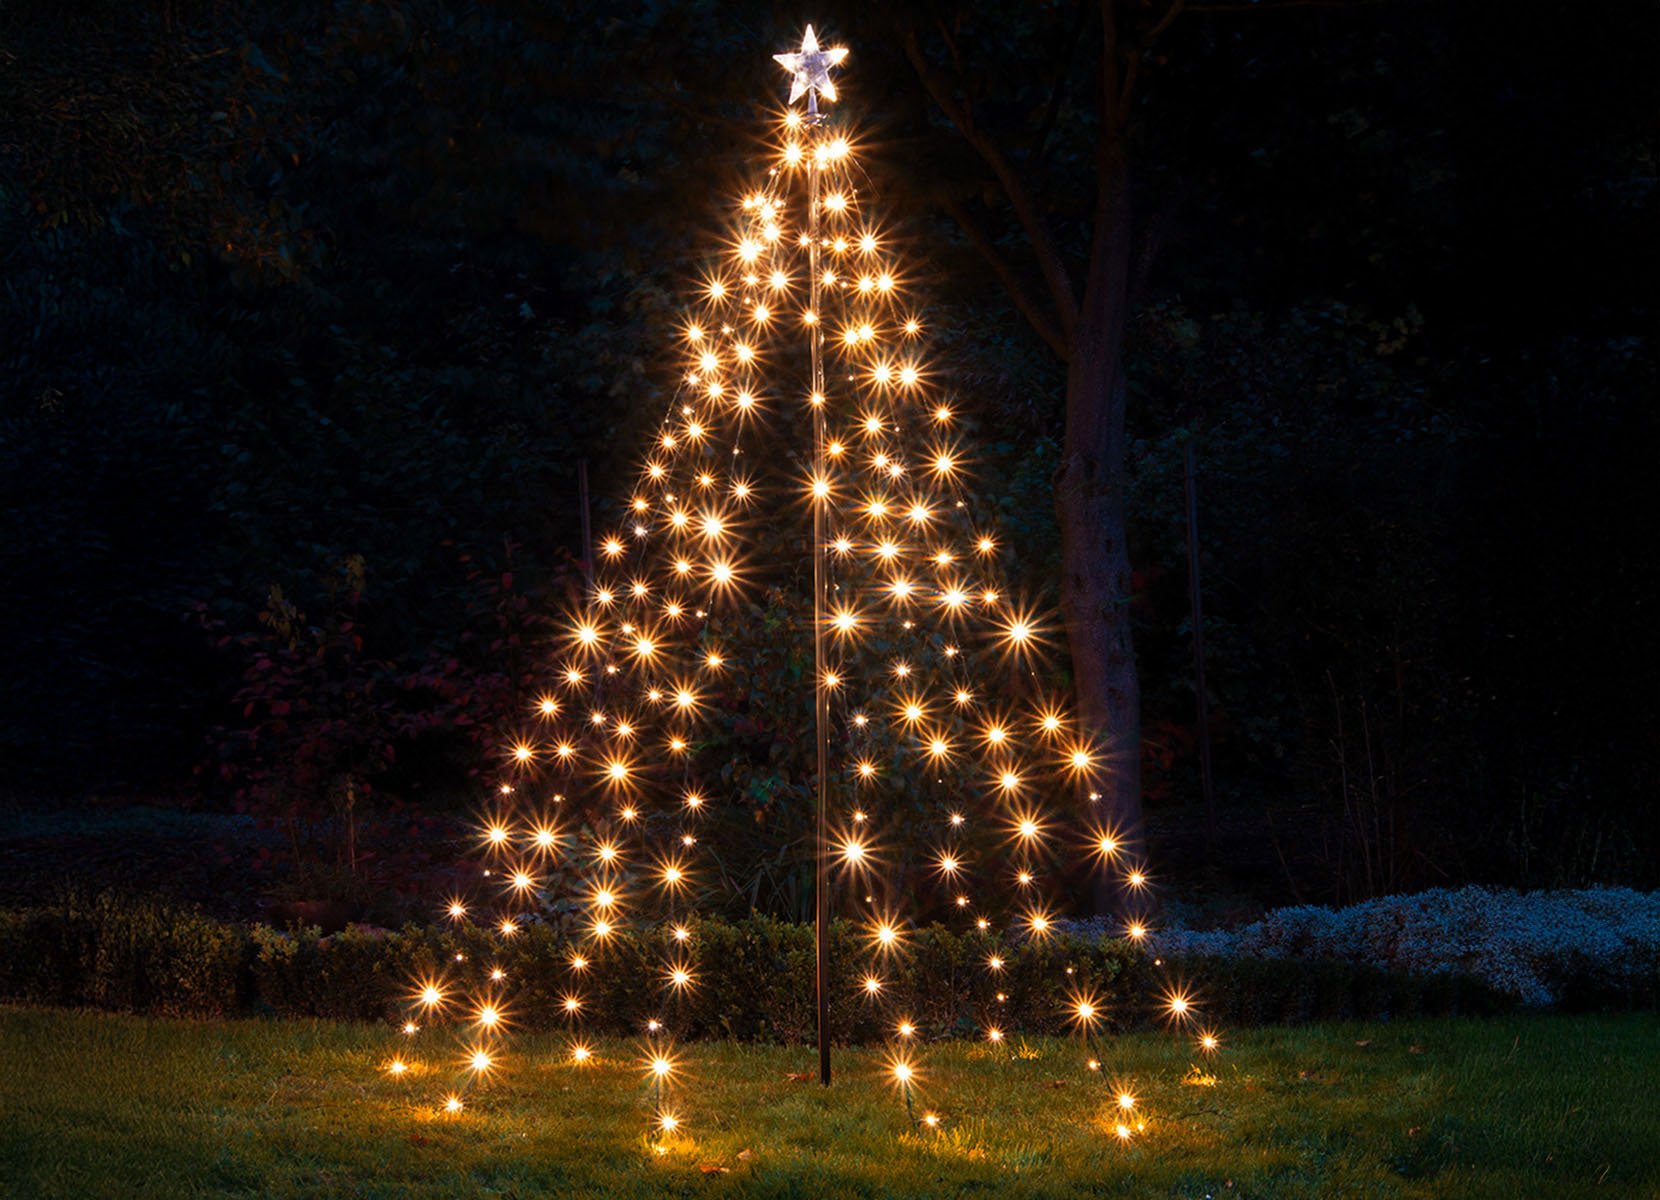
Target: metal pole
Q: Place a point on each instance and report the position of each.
(1192, 491)
(821, 694)
(587, 523)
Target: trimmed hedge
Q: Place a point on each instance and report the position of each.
(754, 976)
(754, 979)
(1258, 991)
(134, 956)
(1577, 948)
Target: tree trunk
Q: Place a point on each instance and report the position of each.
(1090, 507)
(1089, 484)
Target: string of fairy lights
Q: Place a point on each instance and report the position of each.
(933, 669)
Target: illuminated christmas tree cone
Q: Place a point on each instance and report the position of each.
(811, 476)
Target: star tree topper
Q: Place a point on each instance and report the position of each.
(810, 67)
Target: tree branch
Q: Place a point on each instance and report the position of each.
(1113, 92)
(1024, 302)
(1163, 23)
(1050, 263)
(1144, 39)
(1126, 90)
(1052, 109)
(1147, 248)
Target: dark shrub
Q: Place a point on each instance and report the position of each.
(754, 977)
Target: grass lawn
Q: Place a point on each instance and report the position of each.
(102, 1105)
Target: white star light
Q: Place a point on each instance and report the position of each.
(810, 67)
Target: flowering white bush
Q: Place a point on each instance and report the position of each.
(1527, 945)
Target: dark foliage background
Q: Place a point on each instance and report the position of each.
(310, 312)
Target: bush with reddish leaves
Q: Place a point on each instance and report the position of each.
(358, 758)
